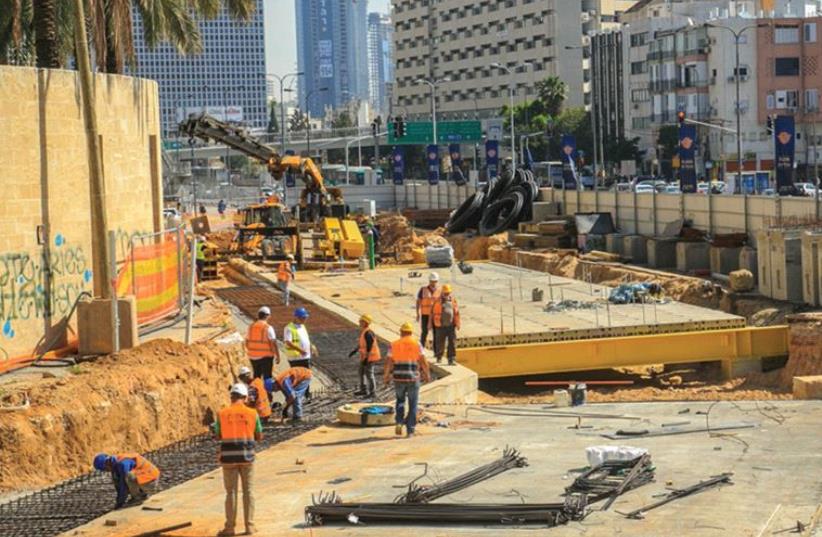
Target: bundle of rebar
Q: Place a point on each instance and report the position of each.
(716, 481)
(612, 478)
(423, 494)
(328, 509)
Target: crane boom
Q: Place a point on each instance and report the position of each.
(209, 128)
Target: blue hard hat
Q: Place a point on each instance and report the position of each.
(100, 461)
(301, 313)
(271, 385)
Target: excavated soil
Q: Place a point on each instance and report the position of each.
(805, 347)
(138, 400)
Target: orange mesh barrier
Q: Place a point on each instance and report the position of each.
(150, 273)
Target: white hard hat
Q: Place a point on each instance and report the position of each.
(240, 389)
(433, 277)
(245, 370)
(265, 309)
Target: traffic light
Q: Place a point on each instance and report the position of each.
(769, 127)
(396, 126)
(680, 117)
(374, 129)
(401, 128)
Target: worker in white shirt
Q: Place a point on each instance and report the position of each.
(298, 347)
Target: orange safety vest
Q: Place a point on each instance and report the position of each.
(263, 406)
(237, 425)
(284, 272)
(144, 471)
(374, 354)
(405, 354)
(436, 312)
(297, 375)
(427, 299)
(256, 341)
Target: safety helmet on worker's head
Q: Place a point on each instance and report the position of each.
(406, 328)
(446, 288)
(301, 313)
(239, 389)
(100, 461)
(244, 371)
(367, 319)
(433, 277)
(290, 257)
(265, 310)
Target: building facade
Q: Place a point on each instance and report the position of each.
(332, 51)
(380, 62)
(227, 79)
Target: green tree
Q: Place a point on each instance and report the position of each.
(552, 93)
(273, 123)
(668, 141)
(342, 121)
(298, 121)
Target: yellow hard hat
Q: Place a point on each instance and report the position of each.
(366, 319)
(446, 288)
(406, 328)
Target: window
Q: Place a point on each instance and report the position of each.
(810, 32)
(638, 68)
(786, 34)
(786, 67)
(811, 99)
(786, 99)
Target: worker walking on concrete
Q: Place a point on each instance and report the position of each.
(369, 352)
(406, 365)
(132, 474)
(285, 275)
(200, 256)
(238, 428)
(445, 321)
(425, 300)
(294, 383)
(298, 347)
(261, 345)
(257, 394)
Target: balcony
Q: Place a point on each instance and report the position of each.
(658, 55)
(683, 84)
(658, 86)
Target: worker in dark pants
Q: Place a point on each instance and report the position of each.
(445, 321)
(425, 300)
(368, 350)
(133, 475)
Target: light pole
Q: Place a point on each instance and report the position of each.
(281, 80)
(308, 119)
(433, 85)
(510, 73)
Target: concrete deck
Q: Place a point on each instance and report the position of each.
(776, 468)
(496, 306)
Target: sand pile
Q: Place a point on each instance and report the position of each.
(398, 239)
(474, 247)
(222, 239)
(138, 400)
(804, 347)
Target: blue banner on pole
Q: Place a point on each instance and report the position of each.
(433, 155)
(492, 158)
(398, 165)
(687, 158)
(569, 157)
(785, 145)
(456, 164)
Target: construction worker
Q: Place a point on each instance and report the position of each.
(261, 345)
(285, 275)
(200, 256)
(425, 300)
(257, 394)
(132, 474)
(294, 383)
(298, 345)
(238, 428)
(406, 365)
(445, 321)
(369, 351)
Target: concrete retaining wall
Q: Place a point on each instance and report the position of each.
(389, 197)
(45, 231)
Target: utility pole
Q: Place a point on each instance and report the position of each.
(99, 225)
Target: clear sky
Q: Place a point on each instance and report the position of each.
(281, 33)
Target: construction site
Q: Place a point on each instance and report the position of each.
(647, 370)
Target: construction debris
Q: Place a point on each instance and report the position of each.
(613, 478)
(723, 479)
(565, 305)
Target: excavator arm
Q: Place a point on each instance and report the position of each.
(208, 128)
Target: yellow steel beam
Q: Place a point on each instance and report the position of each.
(736, 344)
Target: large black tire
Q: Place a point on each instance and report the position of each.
(499, 187)
(502, 214)
(528, 202)
(468, 214)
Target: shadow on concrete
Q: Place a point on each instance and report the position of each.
(356, 441)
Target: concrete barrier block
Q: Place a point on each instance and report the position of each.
(661, 253)
(613, 243)
(634, 247)
(692, 256)
(545, 210)
(724, 260)
(94, 325)
(807, 387)
(748, 260)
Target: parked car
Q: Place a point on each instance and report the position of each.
(672, 189)
(702, 188)
(769, 192)
(644, 189)
(806, 189)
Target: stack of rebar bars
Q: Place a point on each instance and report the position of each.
(613, 478)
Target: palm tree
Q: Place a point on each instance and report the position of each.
(47, 39)
(16, 32)
(552, 93)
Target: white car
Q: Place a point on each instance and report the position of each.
(671, 189)
(644, 189)
(806, 189)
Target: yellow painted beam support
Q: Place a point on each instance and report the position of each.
(731, 346)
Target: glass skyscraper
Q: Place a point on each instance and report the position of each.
(380, 62)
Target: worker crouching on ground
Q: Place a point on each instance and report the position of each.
(406, 365)
(132, 474)
(369, 353)
(425, 300)
(445, 321)
(298, 345)
(294, 383)
(261, 345)
(285, 275)
(238, 428)
(257, 394)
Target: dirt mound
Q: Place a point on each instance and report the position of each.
(398, 239)
(804, 346)
(474, 247)
(137, 400)
(222, 239)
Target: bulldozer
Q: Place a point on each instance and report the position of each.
(269, 230)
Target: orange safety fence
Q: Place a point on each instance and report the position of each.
(151, 273)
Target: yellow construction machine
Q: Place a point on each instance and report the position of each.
(269, 229)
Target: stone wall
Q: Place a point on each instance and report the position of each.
(45, 233)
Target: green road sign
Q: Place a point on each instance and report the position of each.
(172, 144)
(421, 132)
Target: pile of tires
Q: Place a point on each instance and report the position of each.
(501, 204)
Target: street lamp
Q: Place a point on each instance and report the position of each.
(510, 73)
(308, 118)
(281, 80)
(594, 101)
(433, 83)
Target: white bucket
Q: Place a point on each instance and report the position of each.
(561, 398)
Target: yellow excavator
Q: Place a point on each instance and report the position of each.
(268, 227)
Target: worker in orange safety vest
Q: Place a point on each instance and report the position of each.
(425, 300)
(445, 322)
(261, 345)
(257, 395)
(285, 275)
(294, 383)
(132, 474)
(406, 365)
(368, 349)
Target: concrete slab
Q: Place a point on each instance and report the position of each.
(779, 456)
(545, 210)
(692, 256)
(661, 253)
(747, 260)
(614, 243)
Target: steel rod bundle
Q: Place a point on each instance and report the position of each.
(612, 478)
(423, 494)
(723, 479)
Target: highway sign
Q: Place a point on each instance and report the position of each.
(421, 132)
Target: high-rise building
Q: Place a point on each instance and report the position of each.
(227, 79)
(332, 51)
(380, 62)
